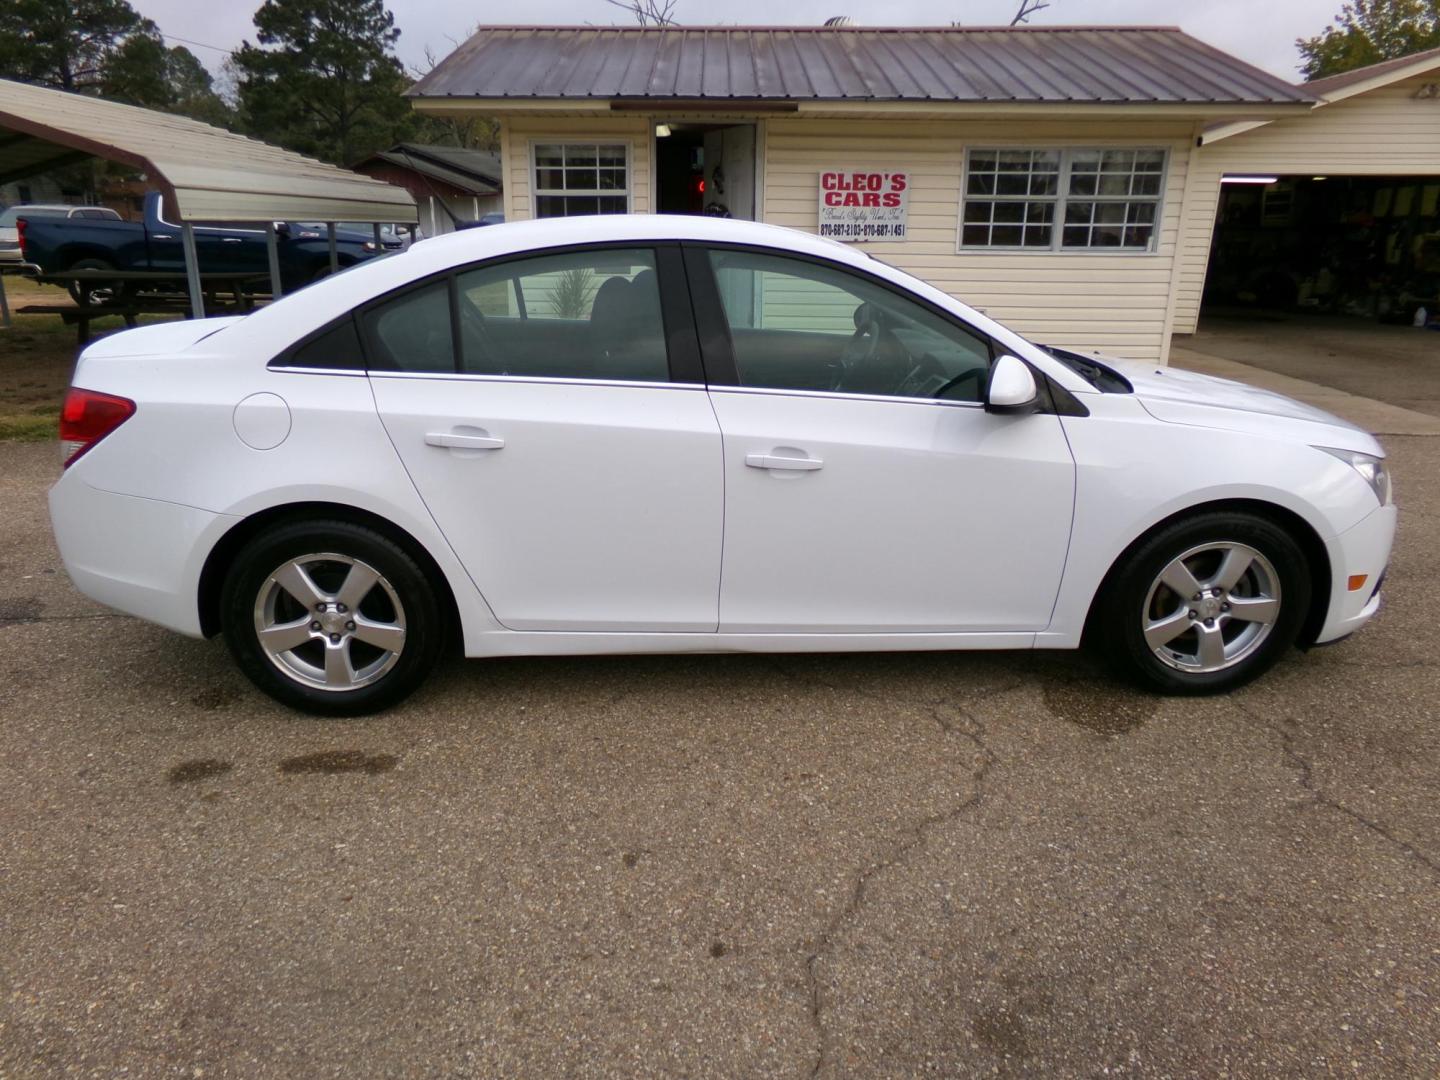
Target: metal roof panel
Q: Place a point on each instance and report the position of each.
(1103, 65)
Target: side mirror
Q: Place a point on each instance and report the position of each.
(1012, 387)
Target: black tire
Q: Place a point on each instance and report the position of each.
(1133, 597)
(92, 293)
(402, 598)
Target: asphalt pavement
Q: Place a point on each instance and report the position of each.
(850, 866)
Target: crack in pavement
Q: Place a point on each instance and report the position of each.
(915, 837)
(1305, 774)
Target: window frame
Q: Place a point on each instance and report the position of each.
(681, 343)
(536, 193)
(713, 326)
(1062, 196)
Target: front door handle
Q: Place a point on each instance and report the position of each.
(778, 461)
(464, 442)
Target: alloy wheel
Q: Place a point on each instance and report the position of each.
(330, 621)
(1211, 607)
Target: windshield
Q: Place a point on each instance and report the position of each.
(7, 219)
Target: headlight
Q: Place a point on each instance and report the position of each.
(370, 245)
(1371, 469)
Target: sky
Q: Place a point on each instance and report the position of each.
(1260, 31)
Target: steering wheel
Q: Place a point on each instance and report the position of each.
(863, 344)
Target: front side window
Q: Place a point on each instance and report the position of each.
(581, 178)
(800, 325)
(1076, 199)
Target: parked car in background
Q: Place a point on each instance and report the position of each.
(53, 245)
(657, 433)
(10, 236)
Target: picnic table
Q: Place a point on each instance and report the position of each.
(145, 292)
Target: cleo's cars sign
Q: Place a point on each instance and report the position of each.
(857, 204)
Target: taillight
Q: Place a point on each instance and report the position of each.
(20, 224)
(87, 417)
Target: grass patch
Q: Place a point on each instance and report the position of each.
(37, 425)
(37, 357)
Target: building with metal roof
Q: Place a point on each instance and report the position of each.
(1042, 174)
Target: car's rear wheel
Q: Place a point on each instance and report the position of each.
(93, 293)
(1205, 604)
(331, 617)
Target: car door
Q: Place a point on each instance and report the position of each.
(867, 488)
(551, 412)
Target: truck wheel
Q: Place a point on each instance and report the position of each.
(92, 293)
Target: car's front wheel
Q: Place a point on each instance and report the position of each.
(331, 617)
(1205, 604)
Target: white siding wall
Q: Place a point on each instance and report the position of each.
(1386, 132)
(1115, 302)
(517, 133)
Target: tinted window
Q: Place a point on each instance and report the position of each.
(578, 315)
(412, 332)
(338, 347)
(798, 325)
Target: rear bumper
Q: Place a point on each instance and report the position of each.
(139, 556)
(1362, 549)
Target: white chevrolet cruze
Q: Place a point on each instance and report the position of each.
(672, 434)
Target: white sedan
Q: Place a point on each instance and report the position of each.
(671, 434)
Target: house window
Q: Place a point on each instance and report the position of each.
(581, 178)
(1079, 199)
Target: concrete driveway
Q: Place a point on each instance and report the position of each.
(715, 866)
(1398, 365)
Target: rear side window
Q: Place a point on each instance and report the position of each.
(336, 348)
(576, 314)
(412, 332)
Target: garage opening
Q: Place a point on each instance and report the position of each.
(705, 169)
(1364, 247)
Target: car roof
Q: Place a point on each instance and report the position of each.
(519, 236)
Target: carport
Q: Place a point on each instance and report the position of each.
(204, 173)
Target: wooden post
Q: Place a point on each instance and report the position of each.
(272, 253)
(4, 305)
(192, 270)
(330, 235)
(379, 245)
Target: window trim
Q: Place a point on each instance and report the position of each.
(535, 190)
(1061, 197)
(717, 349)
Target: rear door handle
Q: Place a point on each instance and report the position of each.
(464, 442)
(776, 461)
(231, 240)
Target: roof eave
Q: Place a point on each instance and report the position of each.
(1250, 110)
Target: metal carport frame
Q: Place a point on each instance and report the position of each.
(203, 172)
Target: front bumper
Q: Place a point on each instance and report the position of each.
(139, 556)
(1361, 549)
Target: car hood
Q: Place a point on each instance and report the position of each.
(1176, 396)
(158, 338)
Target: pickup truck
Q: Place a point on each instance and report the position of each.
(54, 245)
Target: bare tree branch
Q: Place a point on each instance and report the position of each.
(1022, 15)
(648, 12)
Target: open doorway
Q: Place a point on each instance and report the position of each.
(705, 169)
